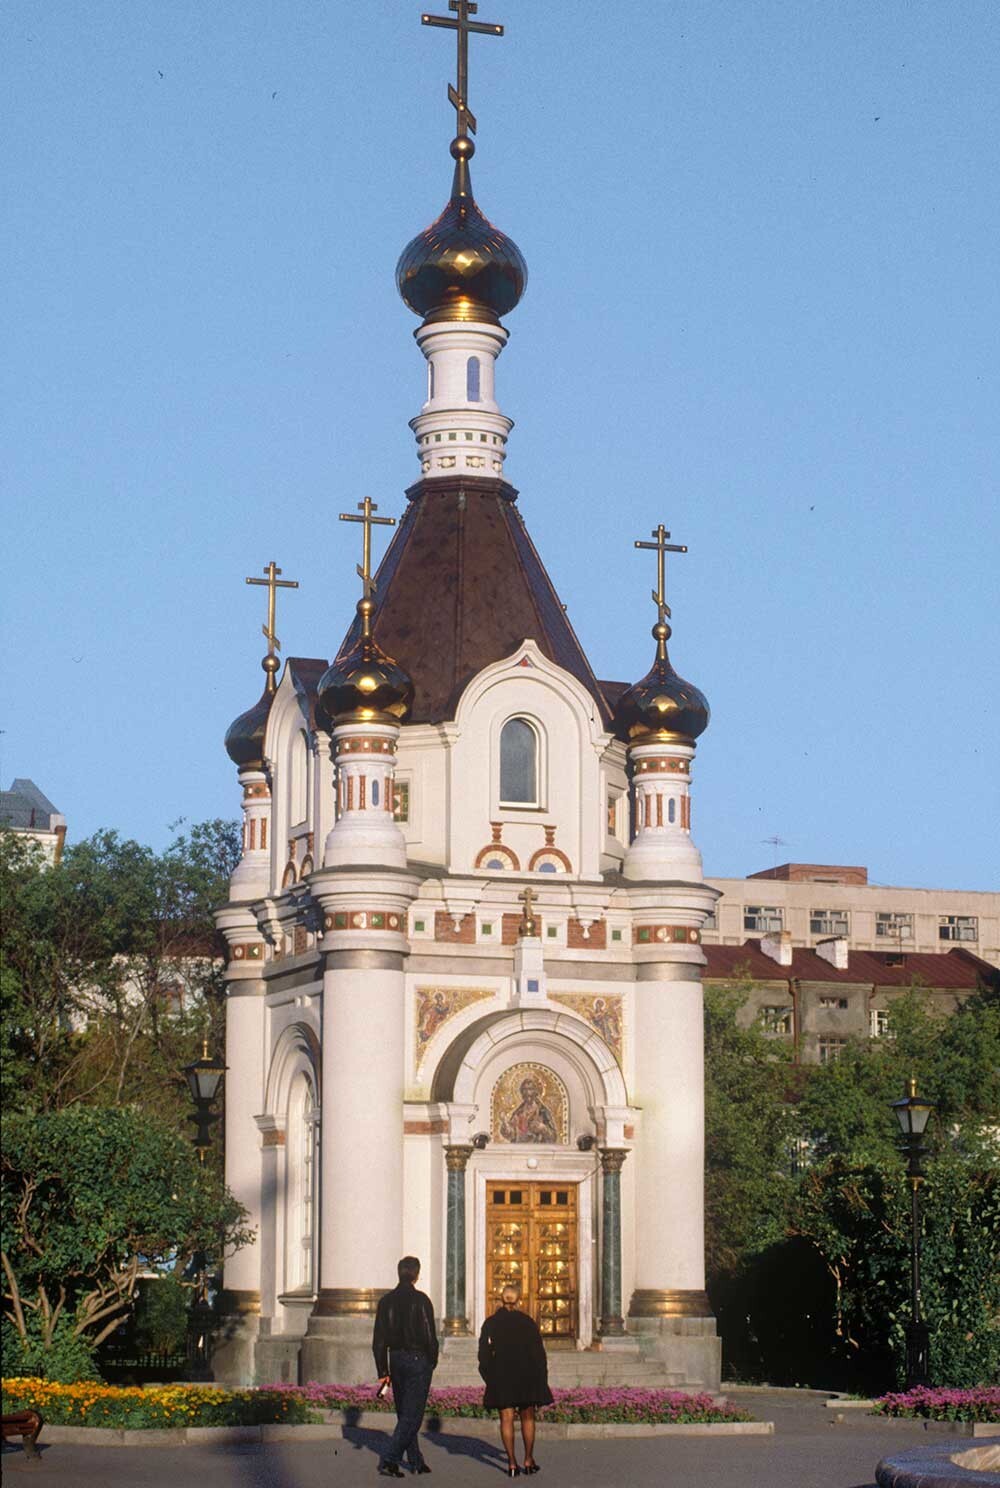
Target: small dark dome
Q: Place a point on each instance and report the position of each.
(364, 685)
(245, 735)
(461, 267)
(662, 705)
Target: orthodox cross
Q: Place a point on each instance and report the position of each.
(458, 97)
(273, 584)
(661, 547)
(364, 568)
(528, 924)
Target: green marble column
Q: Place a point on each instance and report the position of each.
(612, 1322)
(455, 1320)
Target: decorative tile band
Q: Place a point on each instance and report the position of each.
(669, 1302)
(365, 746)
(363, 919)
(663, 934)
(256, 790)
(671, 764)
(250, 950)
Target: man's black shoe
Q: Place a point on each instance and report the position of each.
(422, 1468)
(389, 1470)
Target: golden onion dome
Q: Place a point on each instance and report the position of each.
(662, 705)
(363, 684)
(245, 735)
(461, 267)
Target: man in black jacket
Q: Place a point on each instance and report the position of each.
(406, 1352)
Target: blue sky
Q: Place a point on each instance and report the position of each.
(763, 305)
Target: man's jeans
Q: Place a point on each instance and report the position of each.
(410, 1372)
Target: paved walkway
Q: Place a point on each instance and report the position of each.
(808, 1450)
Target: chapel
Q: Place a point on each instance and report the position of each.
(464, 1001)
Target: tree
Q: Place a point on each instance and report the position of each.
(748, 1132)
(90, 1199)
(809, 1274)
(111, 970)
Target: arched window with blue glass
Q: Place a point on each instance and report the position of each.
(519, 763)
(472, 393)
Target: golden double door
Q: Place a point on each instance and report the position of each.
(531, 1243)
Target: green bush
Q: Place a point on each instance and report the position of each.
(68, 1359)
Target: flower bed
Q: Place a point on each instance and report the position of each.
(982, 1404)
(131, 1407)
(159, 1406)
(600, 1404)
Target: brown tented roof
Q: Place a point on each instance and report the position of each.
(956, 968)
(460, 587)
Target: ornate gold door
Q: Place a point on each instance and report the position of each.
(531, 1243)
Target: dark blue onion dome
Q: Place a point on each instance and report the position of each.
(461, 267)
(662, 705)
(245, 735)
(364, 685)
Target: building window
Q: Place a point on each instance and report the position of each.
(830, 1049)
(711, 921)
(893, 925)
(958, 927)
(472, 380)
(300, 1186)
(839, 1003)
(829, 922)
(763, 918)
(430, 381)
(299, 803)
(776, 1019)
(878, 1023)
(612, 816)
(518, 763)
(401, 801)
(671, 810)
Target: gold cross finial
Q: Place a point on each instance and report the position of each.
(364, 568)
(661, 548)
(273, 583)
(458, 96)
(528, 925)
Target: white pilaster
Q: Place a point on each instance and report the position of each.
(670, 1155)
(460, 429)
(245, 1011)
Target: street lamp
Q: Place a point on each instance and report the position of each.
(204, 1076)
(913, 1113)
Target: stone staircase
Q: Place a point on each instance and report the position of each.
(569, 1368)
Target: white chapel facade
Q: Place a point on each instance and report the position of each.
(464, 1003)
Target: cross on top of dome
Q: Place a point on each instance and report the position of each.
(458, 96)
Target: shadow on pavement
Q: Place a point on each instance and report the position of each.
(466, 1446)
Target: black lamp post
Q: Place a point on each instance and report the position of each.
(913, 1113)
(204, 1077)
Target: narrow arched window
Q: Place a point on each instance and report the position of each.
(518, 763)
(300, 1186)
(472, 380)
(672, 810)
(430, 381)
(299, 803)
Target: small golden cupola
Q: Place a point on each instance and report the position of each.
(363, 684)
(662, 705)
(245, 735)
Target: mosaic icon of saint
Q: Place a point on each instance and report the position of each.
(531, 1121)
(606, 1018)
(433, 1013)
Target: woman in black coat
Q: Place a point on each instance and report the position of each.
(513, 1364)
